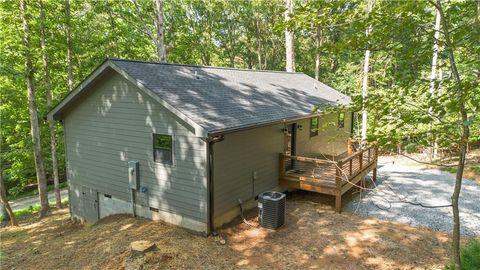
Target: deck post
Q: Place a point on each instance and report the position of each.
(338, 183)
(349, 146)
(338, 203)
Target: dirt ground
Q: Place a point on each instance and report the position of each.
(314, 236)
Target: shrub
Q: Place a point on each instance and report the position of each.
(470, 256)
(476, 169)
(411, 148)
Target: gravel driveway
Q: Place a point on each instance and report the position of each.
(401, 185)
(33, 200)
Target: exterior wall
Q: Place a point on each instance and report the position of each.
(238, 157)
(330, 140)
(241, 154)
(115, 124)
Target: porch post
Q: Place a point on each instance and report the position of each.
(349, 146)
(338, 183)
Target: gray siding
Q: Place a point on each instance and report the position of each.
(242, 153)
(115, 124)
(235, 160)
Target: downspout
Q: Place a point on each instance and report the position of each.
(210, 184)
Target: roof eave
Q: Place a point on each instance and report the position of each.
(55, 113)
(262, 124)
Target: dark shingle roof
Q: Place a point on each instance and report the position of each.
(223, 98)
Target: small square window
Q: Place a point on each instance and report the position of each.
(162, 148)
(341, 120)
(314, 126)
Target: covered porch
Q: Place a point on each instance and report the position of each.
(328, 176)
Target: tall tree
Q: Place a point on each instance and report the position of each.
(258, 26)
(436, 37)
(318, 46)
(68, 33)
(366, 68)
(158, 35)
(159, 28)
(433, 78)
(32, 108)
(4, 202)
(289, 37)
(465, 131)
(48, 93)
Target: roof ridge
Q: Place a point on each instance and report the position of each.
(200, 66)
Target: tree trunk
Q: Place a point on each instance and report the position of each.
(463, 141)
(5, 204)
(69, 45)
(232, 61)
(48, 92)
(318, 46)
(4, 214)
(289, 38)
(433, 78)
(478, 10)
(159, 28)
(365, 78)
(259, 43)
(436, 37)
(32, 108)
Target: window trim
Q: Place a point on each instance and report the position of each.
(314, 133)
(342, 123)
(172, 149)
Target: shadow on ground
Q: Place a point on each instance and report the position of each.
(314, 236)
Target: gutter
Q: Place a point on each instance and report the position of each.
(210, 184)
(264, 124)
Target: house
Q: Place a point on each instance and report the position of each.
(185, 144)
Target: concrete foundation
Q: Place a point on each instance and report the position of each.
(107, 205)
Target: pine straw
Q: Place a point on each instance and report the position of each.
(313, 237)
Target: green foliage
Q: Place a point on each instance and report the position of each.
(470, 256)
(411, 147)
(476, 169)
(17, 193)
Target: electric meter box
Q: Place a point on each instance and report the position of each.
(133, 174)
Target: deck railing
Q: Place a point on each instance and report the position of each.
(351, 166)
(328, 176)
(343, 169)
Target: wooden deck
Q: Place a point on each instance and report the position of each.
(327, 176)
